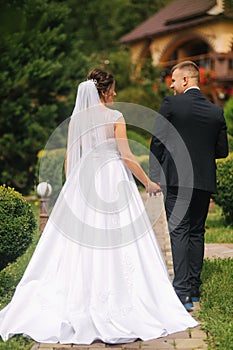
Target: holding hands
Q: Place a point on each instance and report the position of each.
(153, 188)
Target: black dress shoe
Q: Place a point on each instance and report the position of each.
(195, 295)
(187, 302)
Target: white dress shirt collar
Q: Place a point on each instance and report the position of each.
(192, 87)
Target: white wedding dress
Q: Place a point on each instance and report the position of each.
(97, 272)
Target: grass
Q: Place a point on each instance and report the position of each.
(217, 289)
(216, 229)
(216, 303)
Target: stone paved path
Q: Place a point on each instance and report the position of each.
(194, 339)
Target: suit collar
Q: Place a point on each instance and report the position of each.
(192, 88)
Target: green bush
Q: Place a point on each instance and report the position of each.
(17, 225)
(230, 143)
(18, 342)
(138, 144)
(13, 272)
(224, 196)
(228, 113)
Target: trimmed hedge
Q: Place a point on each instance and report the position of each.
(224, 196)
(17, 225)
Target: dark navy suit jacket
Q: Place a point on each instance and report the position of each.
(189, 134)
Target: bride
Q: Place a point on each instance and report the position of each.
(97, 272)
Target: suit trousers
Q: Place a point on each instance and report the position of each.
(186, 210)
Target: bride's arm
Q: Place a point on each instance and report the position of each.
(129, 159)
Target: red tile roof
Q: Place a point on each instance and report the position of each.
(179, 14)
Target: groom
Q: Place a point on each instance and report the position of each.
(190, 133)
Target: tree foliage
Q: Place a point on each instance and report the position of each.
(47, 48)
(100, 25)
(35, 82)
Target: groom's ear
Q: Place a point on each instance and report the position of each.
(185, 81)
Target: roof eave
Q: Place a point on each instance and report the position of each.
(177, 27)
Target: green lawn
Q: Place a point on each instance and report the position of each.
(216, 230)
(217, 289)
(216, 303)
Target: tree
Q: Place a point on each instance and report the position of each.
(101, 25)
(47, 48)
(39, 68)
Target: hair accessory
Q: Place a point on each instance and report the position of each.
(94, 81)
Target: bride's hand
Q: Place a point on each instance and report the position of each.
(153, 188)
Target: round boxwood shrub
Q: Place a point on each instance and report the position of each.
(224, 196)
(17, 225)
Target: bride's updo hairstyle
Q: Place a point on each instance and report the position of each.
(103, 81)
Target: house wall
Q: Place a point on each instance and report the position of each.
(218, 36)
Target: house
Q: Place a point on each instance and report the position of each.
(200, 30)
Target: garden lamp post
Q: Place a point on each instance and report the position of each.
(44, 190)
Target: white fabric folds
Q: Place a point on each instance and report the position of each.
(97, 272)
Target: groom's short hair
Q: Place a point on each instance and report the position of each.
(190, 66)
